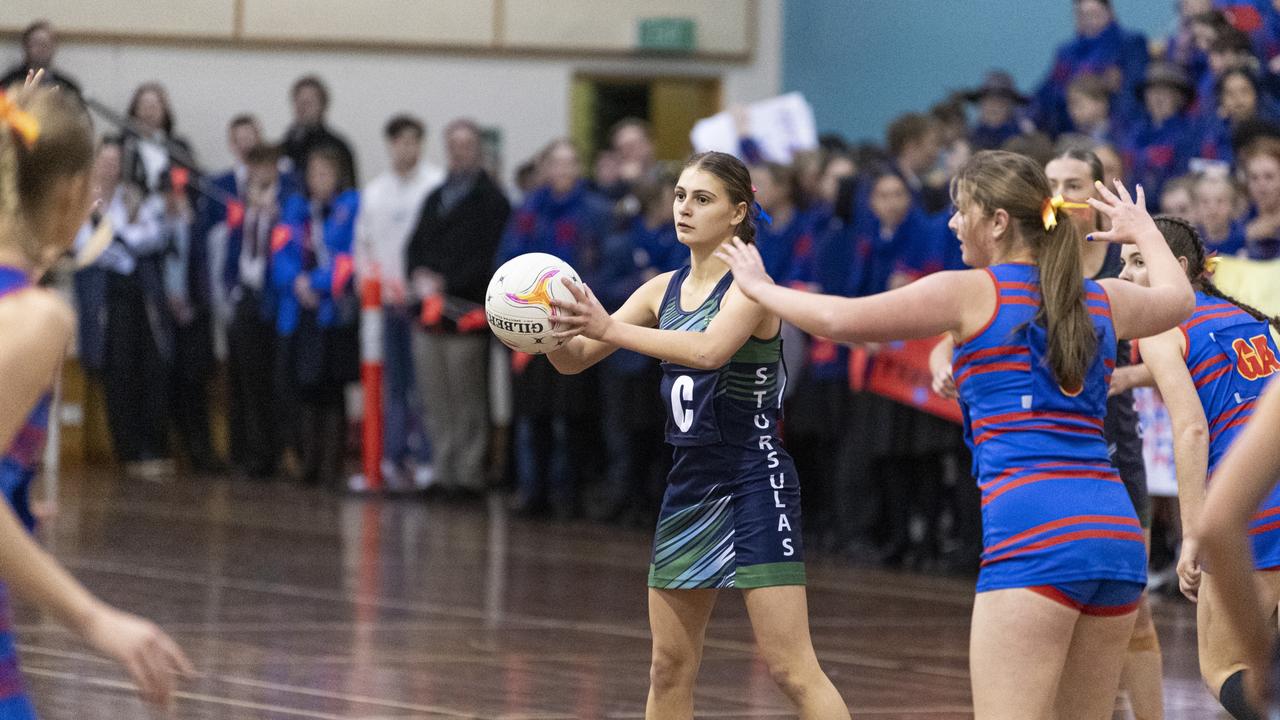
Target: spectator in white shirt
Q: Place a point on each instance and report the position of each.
(389, 209)
(136, 346)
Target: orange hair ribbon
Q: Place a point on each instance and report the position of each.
(21, 122)
(1049, 211)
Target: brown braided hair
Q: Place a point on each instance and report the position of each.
(1185, 241)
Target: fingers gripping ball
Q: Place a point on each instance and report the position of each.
(518, 302)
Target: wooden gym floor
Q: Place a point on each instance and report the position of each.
(297, 603)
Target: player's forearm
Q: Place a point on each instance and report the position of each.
(579, 354)
(1132, 376)
(1168, 281)
(811, 312)
(940, 355)
(36, 577)
(1191, 458)
(699, 350)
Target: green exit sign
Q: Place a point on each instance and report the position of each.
(668, 34)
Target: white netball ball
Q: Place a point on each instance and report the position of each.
(518, 302)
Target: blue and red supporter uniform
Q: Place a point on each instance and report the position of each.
(1233, 244)
(824, 264)
(1214, 135)
(628, 259)
(1257, 18)
(17, 469)
(780, 246)
(572, 227)
(1264, 248)
(1056, 517)
(1231, 356)
(317, 245)
(989, 137)
(1113, 49)
(1156, 154)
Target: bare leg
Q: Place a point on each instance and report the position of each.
(780, 619)
(1091, 677)
(1143, 674)
(1018, 646)
(1220, 655)
(678, 621)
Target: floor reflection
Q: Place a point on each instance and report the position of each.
(297, 603)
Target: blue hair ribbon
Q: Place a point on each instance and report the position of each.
(759, 214)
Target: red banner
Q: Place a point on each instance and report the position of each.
(900, 372)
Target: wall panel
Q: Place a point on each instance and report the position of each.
(723, 26)
(134, 18)
(425, 22)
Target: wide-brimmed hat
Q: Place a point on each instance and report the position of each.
(1170, 75)
(997, 82)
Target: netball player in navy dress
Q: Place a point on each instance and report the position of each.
(1063, 564)
(1211, 370)
(46, 152)
(731, 513)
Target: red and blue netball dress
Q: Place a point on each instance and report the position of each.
(1056, 518)
(731, 513)
(17, 468)
(1232, 356)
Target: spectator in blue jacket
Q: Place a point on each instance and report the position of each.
(1229, 49)
(1089, 107)
(1241, 104)
(998, 103)
(311, 272)
(637, 463)
(255, 408)
(1182, 47)
(557, 429)
(1260, 161)
(1215, 200)
(1101, 47)
(789, 232)
(1161, 145)
(915, 143)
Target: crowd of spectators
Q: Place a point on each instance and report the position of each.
(268, 255)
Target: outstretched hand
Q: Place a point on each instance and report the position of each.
(584, 315)
(33, 79)
(747, 266)
(152, 658)
(1129, 216)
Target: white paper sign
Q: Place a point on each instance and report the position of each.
(781, 125)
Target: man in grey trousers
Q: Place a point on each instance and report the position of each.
(449, 258)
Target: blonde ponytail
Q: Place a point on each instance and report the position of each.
(1063, 312)
(46, 137)
(995, 179)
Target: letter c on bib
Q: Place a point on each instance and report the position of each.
(681, 393)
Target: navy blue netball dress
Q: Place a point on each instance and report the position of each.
(731, 513)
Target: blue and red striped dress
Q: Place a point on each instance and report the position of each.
(1231, 356)
(1054, 511)
(17, 468)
